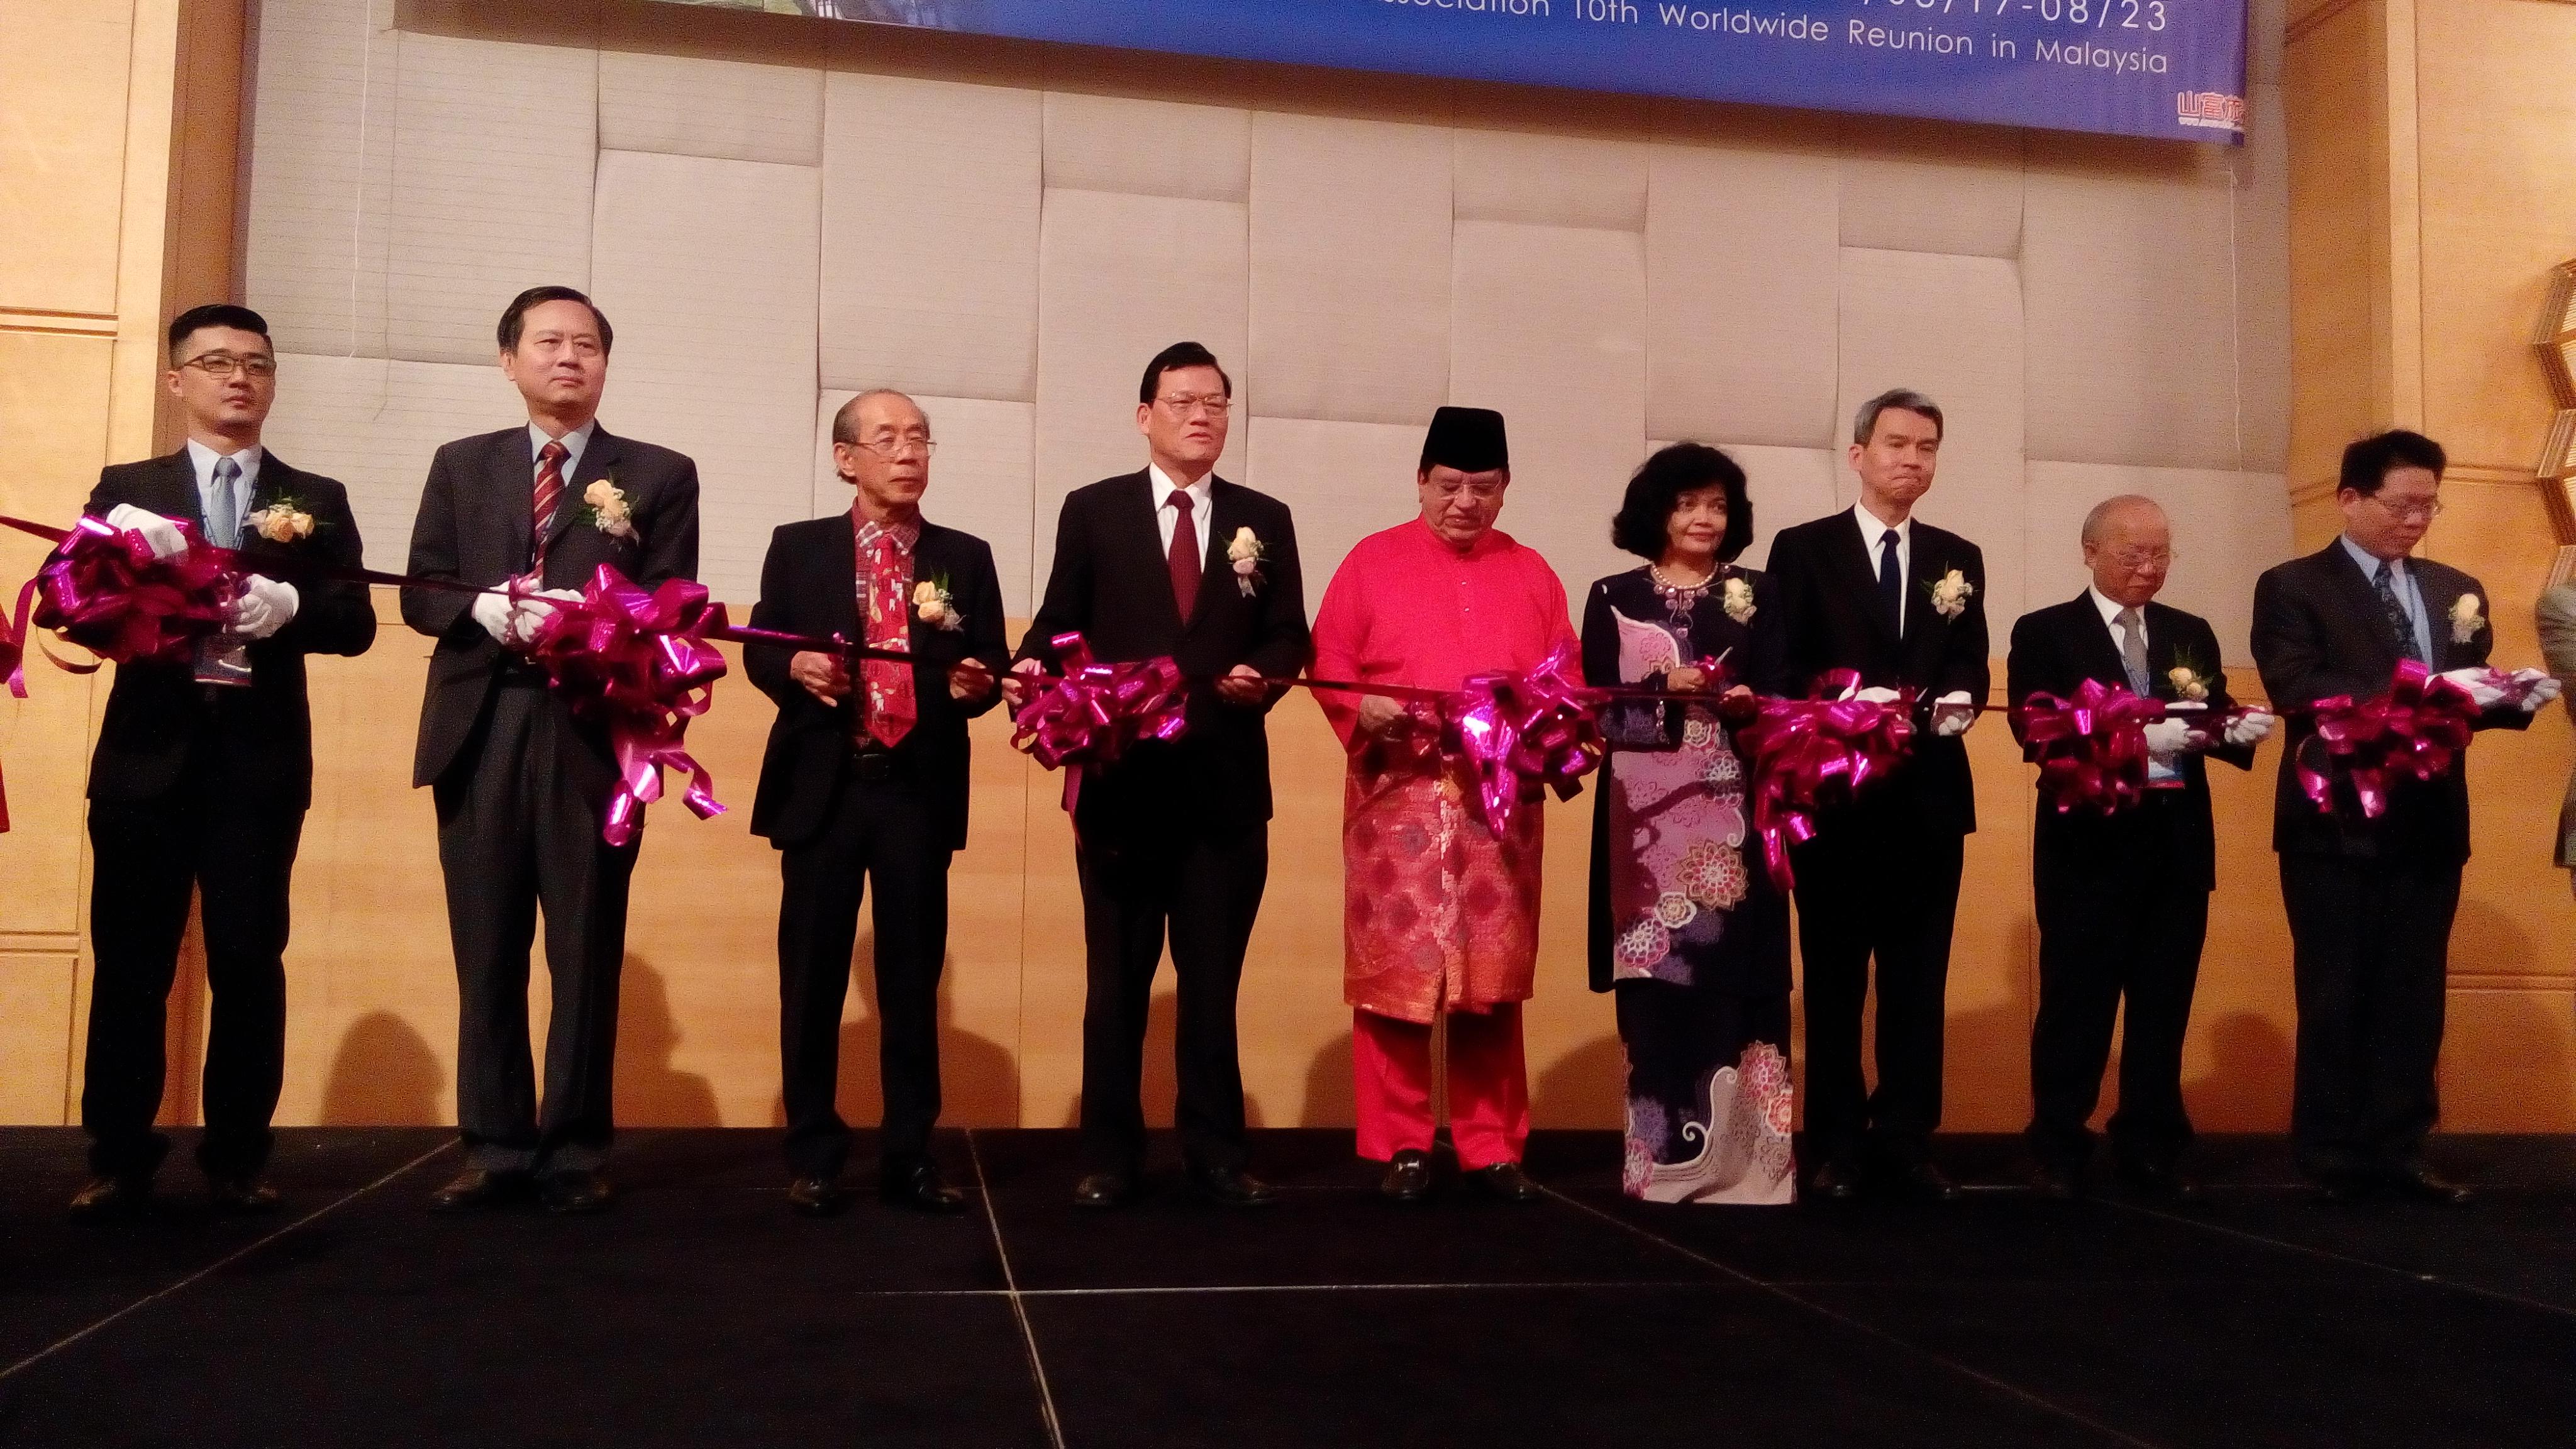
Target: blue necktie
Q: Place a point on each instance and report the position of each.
(1891, 582)
(223, 525)
(2401, 625)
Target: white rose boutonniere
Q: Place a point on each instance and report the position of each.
(2466, 621)
(282, 521)
(1950, 594)
(1738, 600)
(2187, 683)
(937, 608)
(604, 508)
(1246, 553)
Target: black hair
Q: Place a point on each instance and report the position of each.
(514, 317)
(1641, 525)
(1903, 399)
(215, 314)
(1172, 359)
(2367, 464)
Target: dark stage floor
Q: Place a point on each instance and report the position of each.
(701, 1313)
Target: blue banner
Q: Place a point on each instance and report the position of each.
(2166, 68)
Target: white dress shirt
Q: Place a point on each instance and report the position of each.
(574, 443)
(1167, 517)
(203, 459)
(1871, 531)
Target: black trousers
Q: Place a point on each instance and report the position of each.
(881, 829)
(2370, 959)
(2119, 918)
(1874, 884)
(1202, 885)
(236, 850)
(518, 826)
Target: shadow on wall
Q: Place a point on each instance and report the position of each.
(1330, 1099)
(1160, 1079)
(979, 1079)
(1586, 1087)
(385, 1074)
(649, 1092)
(2247, 1086)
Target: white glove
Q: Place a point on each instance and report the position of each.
(2167, 738)
(2482, 692)
(1873, 695)
(1952, 713)
(265, 606)
(157, 531)
(2543, 685)
(2253, 729)
(491, 609)
(534, 610)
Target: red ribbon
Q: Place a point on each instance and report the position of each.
(1807, 753)
(2092, 749)
(1516, 734)
(640, 666)
(1091, 714)
(2414, 732)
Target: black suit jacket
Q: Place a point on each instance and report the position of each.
(156, 712)
(474, 526)
(1111, 584)
(808, 586)
(1828, 589)
(2056, 649)
(2319, 632)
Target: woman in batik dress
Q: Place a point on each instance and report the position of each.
(1687, 927)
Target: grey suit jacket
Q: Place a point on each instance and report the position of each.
(2557, 615)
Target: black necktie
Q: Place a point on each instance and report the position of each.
(2401, 624)
(1891, 582)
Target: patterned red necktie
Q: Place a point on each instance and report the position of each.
(1186, 566)
(550, 487)
(890, 706)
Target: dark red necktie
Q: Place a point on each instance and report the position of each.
(550, 487)
(1186, 565)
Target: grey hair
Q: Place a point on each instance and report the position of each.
(2102, 511)
(845, 423)
(1903, 399)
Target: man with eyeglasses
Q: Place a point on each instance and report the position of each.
(204, 771)
(2123, 899)
(2371, 899)
(865, 783)
(1173, 842)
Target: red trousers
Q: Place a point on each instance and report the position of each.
(1488, 1085)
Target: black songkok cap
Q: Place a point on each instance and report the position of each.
(1467, 439)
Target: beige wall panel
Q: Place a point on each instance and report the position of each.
(2497, 142)
(1923, 186)
(1551, 180)
(1344, 481)
(2128, 289)
(945, 303)
(2263, 287)
(716, 355)
(1740, 282)
(322, 176)
(493, 153)
(1994, 951)
(1787, 485)
(2509, 1062)
(1551, 329)
(1122, 278)
(2244, 1014)
(63, 81)
(1350, 268)
(979, 480)
(1151, 148)
(2227, 529)
(2335, 254)
(1950, 327)
(374, 425)
(688, 106)
(2266, 21)
(36, 1024)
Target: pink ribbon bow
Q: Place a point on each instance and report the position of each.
(102, 589)
(1094, 712)
(1806, 753)
(1518, 733)
(2091, 749)
(2413, 732)
(640, 666)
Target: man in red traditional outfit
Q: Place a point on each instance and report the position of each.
(1440, 913)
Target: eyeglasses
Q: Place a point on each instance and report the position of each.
(2134, 559)
(1480, 492)
(222, 365)
(897, 447)
(2424, 512)
(1184, 404)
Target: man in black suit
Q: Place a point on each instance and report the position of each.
(203, 774)
(525, 514)
(1177, 834)
(2371, 901)
(1875, 590)
(869, 783)
(2124, 898)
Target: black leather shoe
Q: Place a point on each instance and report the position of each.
(918, 1185)
(479, 1187)
(241, 1196)
(816, 1197)
(1408, 1176)
(2421, 1184)
(2157, 1182)
(1922, 1182)
(1836, 1181)
(1231, 1187)
(1505, 1181)
(1104, 1190)
(576, 1190)
(106, 1197)
(2060, 1182)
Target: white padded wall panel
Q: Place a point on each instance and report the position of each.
(1740, 288)
(373, 424)
(1551, 180)
(686, 106)
(1550, 328)
(2129, 288)
(930, 237)
(1350, 268)
(322, 175)
(1344, 481)
(2266, 27)
(1122, 278)
(979, 480)
(493, 153)
(1916, 187)
(1949, 327)
(715, 305)
(2227, 528)
(1150, 148)
(2263, 285)
(1787, 486)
